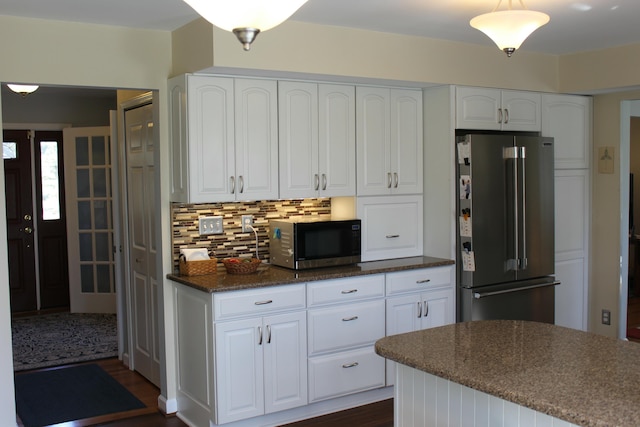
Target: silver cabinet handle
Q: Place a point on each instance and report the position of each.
(316, 180)
(350, 365)
(395, 180)
(506, 116)
(233, 184)
(392, 236)
(388, 179)
(349, 319)
(324, 181)
(423, 281)
(241, 179)
(426, 308)
(499, 115)
(259, 335)
(269, 301)
(350, 291)
(268, 334)
(419, 309)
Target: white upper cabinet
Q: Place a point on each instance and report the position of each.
(224, 139)
(389, 141)
(496, 109)
(317, 140)
(567, 118)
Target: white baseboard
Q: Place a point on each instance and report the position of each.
(167, 406)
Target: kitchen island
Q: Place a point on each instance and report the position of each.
(513, 373)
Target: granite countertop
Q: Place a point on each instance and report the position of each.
(579, 377)
(271, 275)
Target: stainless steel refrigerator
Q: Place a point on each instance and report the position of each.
(505, 211)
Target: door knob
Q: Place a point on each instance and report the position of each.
(27, 217)
(28, 230)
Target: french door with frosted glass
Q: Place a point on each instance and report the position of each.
(90, 220)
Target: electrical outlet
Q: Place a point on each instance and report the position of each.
(247, 222)
(606, 317)
(210, 225)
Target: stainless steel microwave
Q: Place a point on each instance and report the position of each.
(301, 244)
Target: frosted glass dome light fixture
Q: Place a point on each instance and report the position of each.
(23, 90)
(509, 28)
(246, 18)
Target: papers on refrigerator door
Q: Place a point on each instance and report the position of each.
(465, 186)
(465, 226)
(464, 152)
(468, 261)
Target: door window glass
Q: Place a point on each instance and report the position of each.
(9, 150)
(50, 180)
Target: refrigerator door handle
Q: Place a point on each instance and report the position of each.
(522, 263)
(478, 295)
(512, 153)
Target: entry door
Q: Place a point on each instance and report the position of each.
(142, 247)
(16, 152)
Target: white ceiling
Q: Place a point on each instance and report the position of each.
(576, 25)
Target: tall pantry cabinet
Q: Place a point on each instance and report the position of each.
(567, 119)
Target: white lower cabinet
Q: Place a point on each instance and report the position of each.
(418, 299)
(260, 366)
(345, 319)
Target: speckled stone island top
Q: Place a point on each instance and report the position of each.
(580, 377)
(270, 275)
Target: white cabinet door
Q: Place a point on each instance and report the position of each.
(389, 141)
(373, 124)
(478, 108)
(298, 128)
(567, 118)
(337, 141)
(285, 361)
(210, 138)
(495, 109)
(413, 312)
(391, 226)
(521, 111)
(406, 141)
(239, 370)
(572, 247)
(256, 139)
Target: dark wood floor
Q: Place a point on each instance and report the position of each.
(374, 415)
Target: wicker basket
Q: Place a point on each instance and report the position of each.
(198, 268)
(242, 267)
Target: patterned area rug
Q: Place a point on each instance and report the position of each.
(62, 338)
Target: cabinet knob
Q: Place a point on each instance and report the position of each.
(349, 319)
(324, 181)
(506, 115)
(426, 309)
(388, 179)
(423, 281)
(316, 180)
(419, 309)
(241, 179)
(395, 180)
(233, 184)
(350, 365)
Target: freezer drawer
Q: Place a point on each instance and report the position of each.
(532, 300)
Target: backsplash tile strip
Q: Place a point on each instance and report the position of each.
(233, 242)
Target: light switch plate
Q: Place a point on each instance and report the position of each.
(210, 225)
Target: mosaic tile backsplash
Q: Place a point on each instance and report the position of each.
(233, 242)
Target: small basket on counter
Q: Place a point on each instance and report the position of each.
(198, 267)
(241, 265)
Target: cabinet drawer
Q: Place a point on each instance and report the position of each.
(344, 373)
(255, 302)
(345, 326)
(343, 290)
(416, 280)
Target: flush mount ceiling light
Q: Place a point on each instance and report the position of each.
(509, 28)
(23, 90)
(245, 18)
